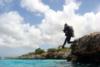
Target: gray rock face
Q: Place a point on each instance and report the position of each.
(86, 49)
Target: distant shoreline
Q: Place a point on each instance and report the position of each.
(40, 54)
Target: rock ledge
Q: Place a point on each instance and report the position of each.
(86, 49)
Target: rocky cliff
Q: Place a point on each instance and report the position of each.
(86, 49)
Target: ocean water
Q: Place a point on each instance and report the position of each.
(41, 63)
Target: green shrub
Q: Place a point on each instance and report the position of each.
(52, 50)
(39, 51)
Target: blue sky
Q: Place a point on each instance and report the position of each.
(42, 25)
(88, 6)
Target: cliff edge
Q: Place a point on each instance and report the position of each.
(86, 49)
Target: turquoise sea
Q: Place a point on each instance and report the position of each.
(40, 63)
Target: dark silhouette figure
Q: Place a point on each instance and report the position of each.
(68, 30)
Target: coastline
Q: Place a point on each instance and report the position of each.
(52, 53)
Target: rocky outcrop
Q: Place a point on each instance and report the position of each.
(86, 49)
(58, 53)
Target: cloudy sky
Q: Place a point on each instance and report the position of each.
(29, 24)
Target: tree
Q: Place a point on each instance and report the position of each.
(39, 51)
(52, 50)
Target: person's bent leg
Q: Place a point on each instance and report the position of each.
(68, 39)
(63, 46)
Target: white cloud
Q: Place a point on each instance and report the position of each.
(15, 33)
(34, 5)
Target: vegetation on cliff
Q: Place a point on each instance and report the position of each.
(51, 53)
